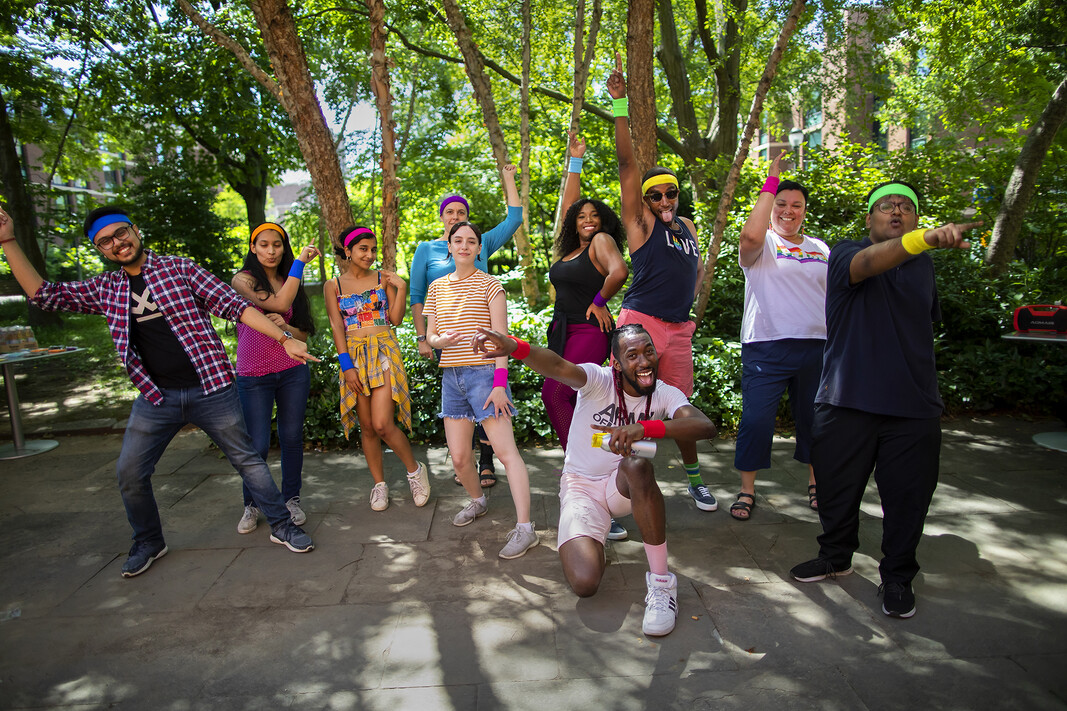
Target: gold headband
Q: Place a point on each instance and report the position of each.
(658, 180)
(263, 228)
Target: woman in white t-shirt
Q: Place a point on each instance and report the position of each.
(783, 330)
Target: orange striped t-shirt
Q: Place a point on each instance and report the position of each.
(462, 306)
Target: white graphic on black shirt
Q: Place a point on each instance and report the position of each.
(143, 308)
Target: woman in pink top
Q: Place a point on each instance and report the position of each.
(271, 279)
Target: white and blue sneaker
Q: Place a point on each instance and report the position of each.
(703, 498)
(616, 532)
(661, 604)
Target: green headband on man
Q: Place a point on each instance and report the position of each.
(893, 189)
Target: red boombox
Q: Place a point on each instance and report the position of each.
(1041, 317)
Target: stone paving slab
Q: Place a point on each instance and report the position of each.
(400, 609)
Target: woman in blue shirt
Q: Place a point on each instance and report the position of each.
(432, 261)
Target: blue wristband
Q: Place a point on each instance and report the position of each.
(297, 269)
(576, 165)
(346, 361)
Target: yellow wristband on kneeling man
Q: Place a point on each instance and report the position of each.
(914, 243)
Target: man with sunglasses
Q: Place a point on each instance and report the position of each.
(667, 270)
(158, 310)
(878, 407)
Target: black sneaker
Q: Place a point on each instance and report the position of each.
(897, 599)
(818, 569)
(141, 557)
(292, 537)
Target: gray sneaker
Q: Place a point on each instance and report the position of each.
(519, 541)
(292, 537)
(471, 511)
(249, 520)
(297, 513)
(420, 485)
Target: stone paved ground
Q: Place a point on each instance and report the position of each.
(400, 610)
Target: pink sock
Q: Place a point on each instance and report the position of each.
(657, 558)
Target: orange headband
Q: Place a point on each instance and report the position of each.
(263, 228)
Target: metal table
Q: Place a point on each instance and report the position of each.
(20, 447)
(1052, 440)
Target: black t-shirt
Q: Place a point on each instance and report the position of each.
(879, 353)
(155, 343)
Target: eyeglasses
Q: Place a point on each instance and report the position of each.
(120, 234)
(656, 197)
(906, 207)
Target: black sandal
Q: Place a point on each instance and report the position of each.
(740, 505)
(488, 475)
(813, 499)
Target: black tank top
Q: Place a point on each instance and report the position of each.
(577, 281)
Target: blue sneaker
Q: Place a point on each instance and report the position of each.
(292, 537)
(141, 557)
(703, 498)
(617, 532)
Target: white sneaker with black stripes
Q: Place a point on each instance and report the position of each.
(661, 604)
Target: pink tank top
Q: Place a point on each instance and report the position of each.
(261, 355)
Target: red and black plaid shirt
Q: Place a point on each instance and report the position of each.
(185, 294)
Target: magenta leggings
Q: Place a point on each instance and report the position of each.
(585, 344)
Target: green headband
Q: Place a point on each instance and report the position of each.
(893, 189)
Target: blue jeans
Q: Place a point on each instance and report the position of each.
(258, 394)
(152, 427)
(464, 390)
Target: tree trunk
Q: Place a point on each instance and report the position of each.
(20, 207)
(483, 92)
(384, 98)
(640, 36)
(282, 43)
(524, 123)
(583, 58)
(249, 180)
(1021, 184)
(742, 154)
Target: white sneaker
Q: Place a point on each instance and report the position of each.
(420, 485)
(249, 520)
(379, 496)
(473, 509)
(661, 604)
(519, 541)
(295, 512)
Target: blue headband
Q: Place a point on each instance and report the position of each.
(102, 222)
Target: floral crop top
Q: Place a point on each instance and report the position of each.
(371, 308)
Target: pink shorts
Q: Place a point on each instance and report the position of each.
(586, 507)
(674, 345)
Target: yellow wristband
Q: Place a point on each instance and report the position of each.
(914, 243)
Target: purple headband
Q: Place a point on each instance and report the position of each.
(358, 232)
(453, 198)
(102, 222)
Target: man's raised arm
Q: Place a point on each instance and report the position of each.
(493, 344)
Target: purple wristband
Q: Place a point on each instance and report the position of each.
(599, 300)
(500, 378)
(771, 185)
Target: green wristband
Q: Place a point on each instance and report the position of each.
(621, 107)
(914, 243)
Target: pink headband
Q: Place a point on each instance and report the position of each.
(355, 234)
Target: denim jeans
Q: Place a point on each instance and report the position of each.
(152, 427)
(258, 393)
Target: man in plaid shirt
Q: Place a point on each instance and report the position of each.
(158, 311)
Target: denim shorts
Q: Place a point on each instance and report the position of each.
(464, 390)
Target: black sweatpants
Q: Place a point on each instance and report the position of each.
(903, 453)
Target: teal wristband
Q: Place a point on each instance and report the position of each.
(576, 165)
(621, 107)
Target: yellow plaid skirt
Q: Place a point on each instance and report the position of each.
(367, 354)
